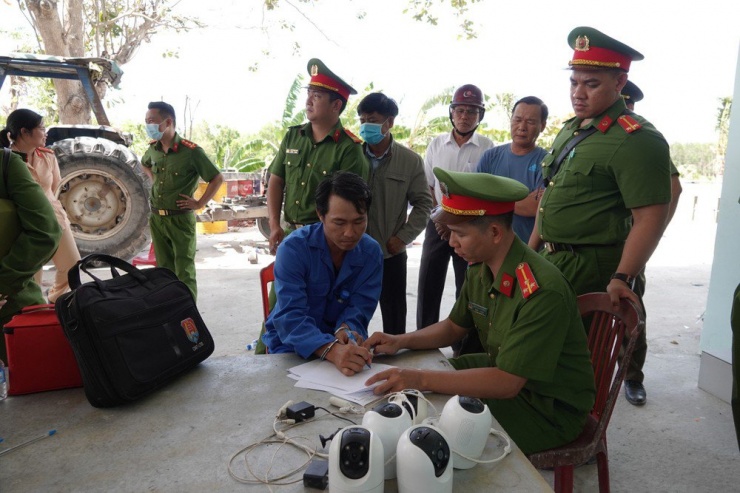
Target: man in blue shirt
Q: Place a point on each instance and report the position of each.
(328, 277)
(520, 160)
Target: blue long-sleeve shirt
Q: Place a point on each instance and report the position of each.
(313, 300)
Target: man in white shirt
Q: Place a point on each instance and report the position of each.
(458, 150)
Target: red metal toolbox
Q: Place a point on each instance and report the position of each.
(39, 355)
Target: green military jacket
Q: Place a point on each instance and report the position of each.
(38, 229)
(528, 321)
(303, 164)
(176, 171)
(398, 181)
(625, 164)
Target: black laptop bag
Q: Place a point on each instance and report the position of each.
(132, 333)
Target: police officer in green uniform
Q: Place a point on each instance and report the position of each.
(175, 165)
(608, 178)
(310, 152)
(634, 389)
(536, 375)
(30, 236)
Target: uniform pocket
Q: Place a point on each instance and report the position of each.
(578, 179)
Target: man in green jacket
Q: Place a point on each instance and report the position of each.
(31, 235)
(397, 179)
(535, 374)
(310, 152)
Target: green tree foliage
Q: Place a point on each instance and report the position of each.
(694, 160)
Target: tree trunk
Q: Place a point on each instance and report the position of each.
(71, 100)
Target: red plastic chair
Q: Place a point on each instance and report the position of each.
(149, 259)
(605, 335)
(267, 275)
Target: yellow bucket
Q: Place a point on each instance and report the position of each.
(214, 227)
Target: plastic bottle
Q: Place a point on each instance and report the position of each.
(3, 381)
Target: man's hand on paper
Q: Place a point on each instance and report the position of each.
(349, 358)
(396, 380)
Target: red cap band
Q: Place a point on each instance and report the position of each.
(462, 205)
(327, 82)
(601, 57)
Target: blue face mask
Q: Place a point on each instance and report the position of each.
(372, 133)
(152, 130)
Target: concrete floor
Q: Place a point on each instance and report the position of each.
(682, 440)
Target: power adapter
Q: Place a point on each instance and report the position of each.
(317, 474)
(301, 411)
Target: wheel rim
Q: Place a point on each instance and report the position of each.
(96, 204)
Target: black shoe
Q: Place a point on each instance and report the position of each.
(634, 391)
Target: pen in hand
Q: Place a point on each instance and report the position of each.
(354, 342)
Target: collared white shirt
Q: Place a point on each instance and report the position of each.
(443, 152)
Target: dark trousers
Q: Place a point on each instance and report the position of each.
(393, 294)
(435, 258)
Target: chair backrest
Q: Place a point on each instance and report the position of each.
(267, 275)
(606, 331)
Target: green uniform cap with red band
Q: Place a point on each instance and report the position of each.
(466, 196)
(323, 78)
(594, 49)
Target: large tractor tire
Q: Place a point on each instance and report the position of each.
(106, 195)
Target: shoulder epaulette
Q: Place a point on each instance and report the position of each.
(628, 123)
(353, 136)
(188, 144)
(527, 282)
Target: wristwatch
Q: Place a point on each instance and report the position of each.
(626, 278)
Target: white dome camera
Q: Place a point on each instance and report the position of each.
(466, 421)
(356, 461)
(388, 420)
(423, 460)
(414, 402)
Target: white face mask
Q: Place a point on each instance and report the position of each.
(152, 130)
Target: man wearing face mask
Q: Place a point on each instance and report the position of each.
(458, 150)
(396, 179)
(174, 165)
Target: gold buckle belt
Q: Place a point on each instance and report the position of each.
(171, 212)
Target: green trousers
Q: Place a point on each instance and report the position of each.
(589, 270)
(174, 242)
(532, 429)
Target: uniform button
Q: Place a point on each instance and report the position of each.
(303, 183)
(308, 165)
(552, 183)
(297, 202)
(576, 133)
(542, 237)
(492, 296)
(323, 172)
(542, 209)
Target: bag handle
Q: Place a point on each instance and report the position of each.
(73, 276)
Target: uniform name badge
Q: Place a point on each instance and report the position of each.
(480, 310)
(291, 151)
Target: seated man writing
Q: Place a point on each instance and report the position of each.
(536, 376)
(328, 277)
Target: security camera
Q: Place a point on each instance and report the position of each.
(467, 422)
(388, 420)
(356, 461)
(423, 461)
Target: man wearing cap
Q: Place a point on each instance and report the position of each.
(634, 390)
(310, 152)
(458, 150)
(535, 376)
(520, 159)
(606, 166)
(397, 180)
(175, 165)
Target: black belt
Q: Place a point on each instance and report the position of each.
(171, 212)
(551, 247)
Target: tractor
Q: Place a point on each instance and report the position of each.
(104, 189)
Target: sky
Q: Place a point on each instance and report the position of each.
(690, 48)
